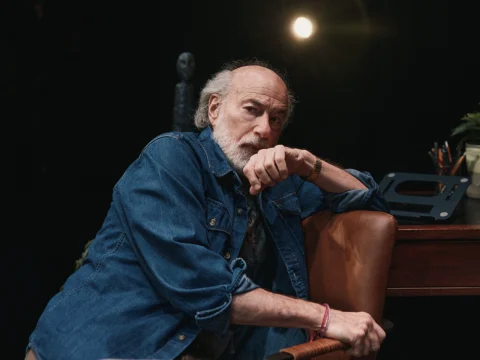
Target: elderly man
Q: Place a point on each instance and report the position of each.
(201, 254)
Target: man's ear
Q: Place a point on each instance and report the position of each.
(213, 108)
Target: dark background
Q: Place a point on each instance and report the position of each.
(378, 83)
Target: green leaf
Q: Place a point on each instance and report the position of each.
(470, 126)
(460, 129)
(472, 117)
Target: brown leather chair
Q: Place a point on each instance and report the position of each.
(348, 259)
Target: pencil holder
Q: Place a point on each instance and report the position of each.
(472, 152)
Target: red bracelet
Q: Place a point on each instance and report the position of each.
(323, 328)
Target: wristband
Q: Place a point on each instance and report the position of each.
(324, 326)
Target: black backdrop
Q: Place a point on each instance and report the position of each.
(95, 81)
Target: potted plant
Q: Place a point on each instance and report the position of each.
(469, 129)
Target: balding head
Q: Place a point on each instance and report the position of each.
(259, 79)
(237, 75)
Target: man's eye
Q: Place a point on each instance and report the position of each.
(251, 109)
(277, 120)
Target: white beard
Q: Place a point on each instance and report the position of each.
(237, 153)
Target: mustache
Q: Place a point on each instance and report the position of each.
(254, 141)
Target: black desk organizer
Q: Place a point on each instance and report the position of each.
(434, 207)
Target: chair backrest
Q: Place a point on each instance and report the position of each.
(348, 259)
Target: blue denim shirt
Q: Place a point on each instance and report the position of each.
(165, 265)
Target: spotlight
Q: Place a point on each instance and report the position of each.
(302, 27)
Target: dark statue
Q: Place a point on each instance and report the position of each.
(184, 106)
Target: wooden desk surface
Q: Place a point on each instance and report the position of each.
(443, 259)
(438, 232)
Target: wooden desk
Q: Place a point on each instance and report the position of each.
(433, 260)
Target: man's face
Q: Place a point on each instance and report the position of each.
(252, 115)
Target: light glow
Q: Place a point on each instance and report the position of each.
(302, 27)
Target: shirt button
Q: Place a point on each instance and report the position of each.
(213, 221)
(227, 255)
(181, 337)
(239, 211)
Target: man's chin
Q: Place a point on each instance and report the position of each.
(238, 164)
(250, 150)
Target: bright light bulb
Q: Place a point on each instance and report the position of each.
(302, 27)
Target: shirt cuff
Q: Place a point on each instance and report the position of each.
(365, 199)
(217, 320)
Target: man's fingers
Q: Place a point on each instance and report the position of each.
(356, 351)
(379, 332)
(374, 341)
(367, 345)
(260, 170)
(270, 165)
(266, 168)
(280, 162)
(357, 329)
(358, 342)
(249, 172)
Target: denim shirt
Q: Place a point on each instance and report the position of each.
(165, 264)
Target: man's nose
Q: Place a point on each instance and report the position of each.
(262, 128)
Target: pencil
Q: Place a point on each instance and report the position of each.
(448, 151)
(458, 163)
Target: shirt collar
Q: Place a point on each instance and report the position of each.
(219, 165)
(216, 158)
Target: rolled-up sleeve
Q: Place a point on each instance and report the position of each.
(161, 199)
(366, 199)
(217, 320)
(313, 199)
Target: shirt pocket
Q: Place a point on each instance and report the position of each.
(289, 211)
(219, 226)
(288, 204)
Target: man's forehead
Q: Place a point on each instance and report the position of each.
(258, 82)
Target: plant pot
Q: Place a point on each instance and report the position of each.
(473, 167)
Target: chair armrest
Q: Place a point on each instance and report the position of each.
(309, 350)
(348, 257)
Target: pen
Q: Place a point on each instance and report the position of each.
(457, 164)
(440, 161)
(435, 146)
(446, 161)
(449, 153)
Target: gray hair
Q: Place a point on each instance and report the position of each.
(219, 84)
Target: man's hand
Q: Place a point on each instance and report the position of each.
(357, 329)
(263, 308)
(271, 166)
